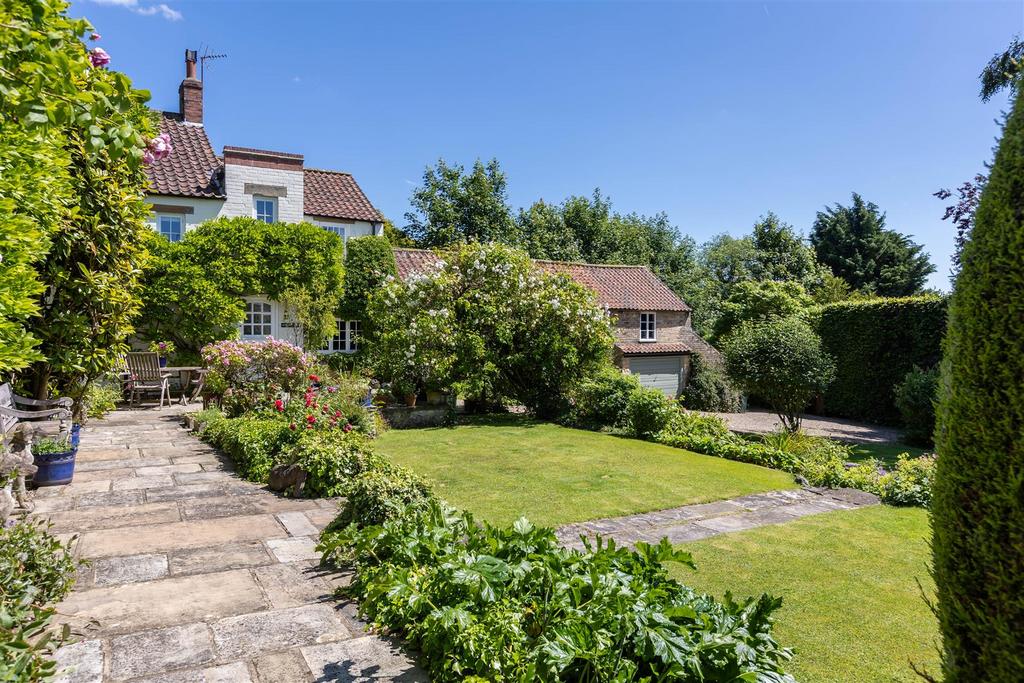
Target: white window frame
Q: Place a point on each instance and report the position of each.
(256, 199)
(345, 339)
(160, 217)
(265, 310)
(651, 323)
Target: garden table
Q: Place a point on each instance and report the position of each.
(184, 373)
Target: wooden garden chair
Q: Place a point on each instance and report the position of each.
(145, 374)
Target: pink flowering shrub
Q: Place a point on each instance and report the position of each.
(249, 375)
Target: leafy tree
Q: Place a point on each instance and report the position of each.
(62, 117)
(962, 213)
(780, 254)
(545, 233)
(781, 361)
(297, 264)
(1002, 71)
(759, 301)
(855, 244)
(978, 493)
(453, 206)
(486, 323)
(396, 236)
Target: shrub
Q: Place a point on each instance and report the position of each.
(910, 483)
(915, 398)
(875, 343)
(254, 444)
(248, 375)
(782, 362)
(710, 435)
(757, 301)
(708, 388)
(484, 322)
(601, 400)
(508, 603)
(978, 495)
(368, 263)
(332, 460)
(101, 398)
(381, 493)
(36, 570)
(648, 411)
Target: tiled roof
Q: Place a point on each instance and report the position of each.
(617, 287)
(635, 349)
(333, 194)
(633, 288)
(413, 261)
(192, 169)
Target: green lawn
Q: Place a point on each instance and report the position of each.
(886, 452)
(852, 608)
(501, 468)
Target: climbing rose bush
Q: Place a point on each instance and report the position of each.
(485, 322)
(248, 375)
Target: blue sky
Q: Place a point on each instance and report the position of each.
(713, 113)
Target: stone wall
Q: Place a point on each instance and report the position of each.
(669, 324)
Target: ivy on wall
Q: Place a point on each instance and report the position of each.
(875, 343)
(194, 288)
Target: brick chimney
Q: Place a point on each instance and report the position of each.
(190, 92)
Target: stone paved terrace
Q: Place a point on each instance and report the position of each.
(196, 575)
(694, 522)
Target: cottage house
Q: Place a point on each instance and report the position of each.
(193, 185)
(654, 338)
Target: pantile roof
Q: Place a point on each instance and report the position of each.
(652, 348)
(192, 169)
(333, 194)
(617, 287)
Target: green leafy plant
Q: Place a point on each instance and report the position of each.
(49, 445)
(708, 388)
(381, 492)
(509, 603)
(780, 361)
(101, 397)
(255, 444)
(601, 400)
(332, 460)
(164, 348)
(915, 398)
(648, 411)
(36, 571)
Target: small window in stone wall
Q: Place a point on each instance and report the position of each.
(171, 227)
(648, 327)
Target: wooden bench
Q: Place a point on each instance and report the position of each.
(16, 433)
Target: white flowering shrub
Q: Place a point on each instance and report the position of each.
(484, 322)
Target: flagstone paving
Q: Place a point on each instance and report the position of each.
(196, 575)
(694, 522)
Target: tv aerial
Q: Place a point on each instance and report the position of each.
(202, 61)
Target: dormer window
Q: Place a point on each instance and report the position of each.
(266, 209)
(648, 327)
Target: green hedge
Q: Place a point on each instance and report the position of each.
(875, 344)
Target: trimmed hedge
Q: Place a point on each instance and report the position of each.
(875, 344)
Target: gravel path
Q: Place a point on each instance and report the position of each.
(763, 421)
(694, 522)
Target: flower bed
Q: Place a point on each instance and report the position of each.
(487, 603)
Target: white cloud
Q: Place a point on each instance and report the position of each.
(162, 9)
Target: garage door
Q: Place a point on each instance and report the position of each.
(658, 372)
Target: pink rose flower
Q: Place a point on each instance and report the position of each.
(160, 146)
(99, 57)
(148, 159)
(95, 36)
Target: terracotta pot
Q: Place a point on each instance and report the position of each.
(410, 400)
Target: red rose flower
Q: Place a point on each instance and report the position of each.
(314, 378)
(347, 428)
(279, 405)
(311, 419)
(291, 426)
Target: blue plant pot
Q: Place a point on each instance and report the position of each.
(76, 434)
(55, 469)
(163, 362)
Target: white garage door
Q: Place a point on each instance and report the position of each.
(658, 372)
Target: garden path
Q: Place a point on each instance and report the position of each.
(197, 575)
(694, 522)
